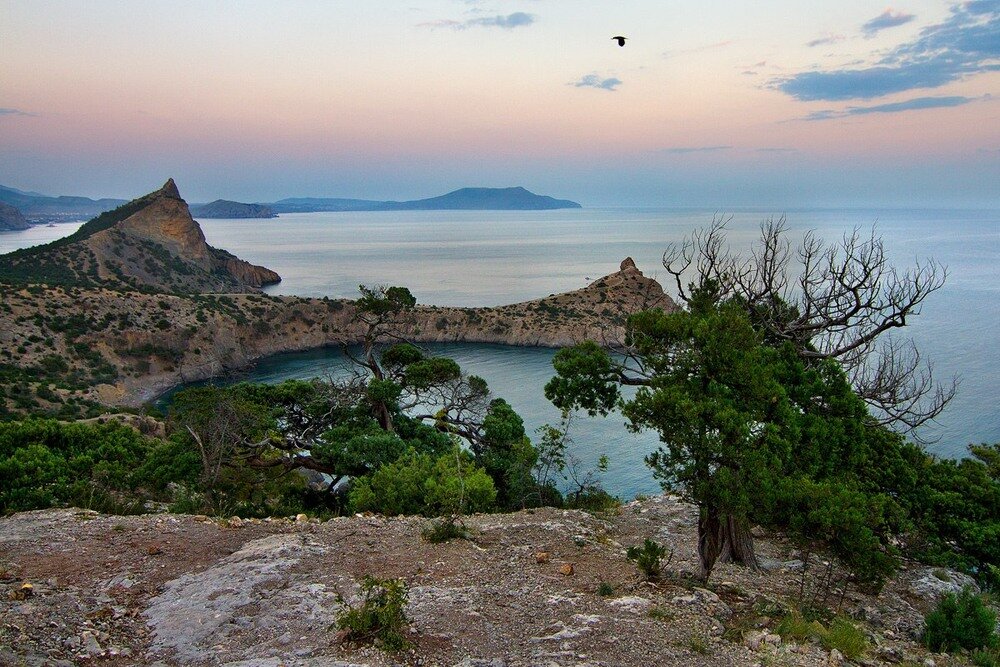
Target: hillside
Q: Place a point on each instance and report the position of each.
(222, 208)
(11, 218)
(113, 347)
(467, 199)
(525, 590)
(41, 208)
(151, 243)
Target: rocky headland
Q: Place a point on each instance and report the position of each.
(11, 219)
(151, 243)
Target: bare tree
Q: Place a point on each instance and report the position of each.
(839, 301)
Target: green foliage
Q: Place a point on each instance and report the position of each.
(584, 379)
(986, 658)
(955, 507)
(604, 589)
(422, 484)
(380, 617)
(649, 558)
(45, 463)
(445, 529)
(846, 637)
(960, 621)
(842, 633)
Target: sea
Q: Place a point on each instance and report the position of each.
(489, 258)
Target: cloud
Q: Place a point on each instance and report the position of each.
(829, 39)
(508, 22)
(15, 112)
(894, 107)
(887, 19)
(594, 81)
(685, 150)
(776, 150)
(698, 49)
(967, 43)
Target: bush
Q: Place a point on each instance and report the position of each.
(960, 622)
(421, 484)
(842, 634)
(45, 463)
(649, 558)
(445, 529)
(379, 618)
(846, 637)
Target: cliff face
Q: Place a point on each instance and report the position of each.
(11, 219)
(150, 243)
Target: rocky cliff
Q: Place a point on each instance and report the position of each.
(11, 219)
(151, 243)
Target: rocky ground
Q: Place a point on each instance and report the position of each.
(524, 590)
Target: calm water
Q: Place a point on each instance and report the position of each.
(485, 258)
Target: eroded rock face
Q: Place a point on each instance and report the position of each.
(149, 243)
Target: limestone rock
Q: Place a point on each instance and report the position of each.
(933, 583)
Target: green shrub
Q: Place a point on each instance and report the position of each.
(846, 637)
(604, 589)
(444, 530)
(795, 627)
(649, 558)
(984, 658)
(45, 463)
(960, 621)
(421, 484)
(379, 618)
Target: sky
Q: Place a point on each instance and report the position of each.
(722, 103)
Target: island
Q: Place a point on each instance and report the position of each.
(225, 209)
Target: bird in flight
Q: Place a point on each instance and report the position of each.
(620, 40)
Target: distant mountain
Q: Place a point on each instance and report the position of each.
(466, 199)
(11, 218)
(36, 207)
(223, 208)
(150, 243)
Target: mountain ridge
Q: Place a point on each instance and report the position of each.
(464, 199)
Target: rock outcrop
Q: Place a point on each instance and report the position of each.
(11, 219)
(190, 590)
(150, 243)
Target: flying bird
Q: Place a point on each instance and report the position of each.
(620, 40)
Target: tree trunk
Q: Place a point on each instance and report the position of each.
(737, 543)
(709, 541)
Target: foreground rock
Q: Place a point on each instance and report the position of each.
(181, 590)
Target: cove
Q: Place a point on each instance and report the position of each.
(516, 374)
